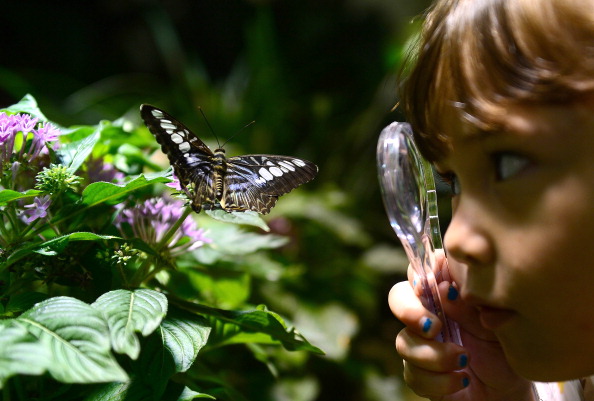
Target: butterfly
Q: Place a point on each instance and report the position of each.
(213, 181)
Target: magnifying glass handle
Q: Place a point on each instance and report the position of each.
(450, 332)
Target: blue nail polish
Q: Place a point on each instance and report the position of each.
(427, 325)
(465, 382)
(463, 361)
(414, 283)
(452, 293)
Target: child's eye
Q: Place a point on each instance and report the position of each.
(452, 181)
(508, 164)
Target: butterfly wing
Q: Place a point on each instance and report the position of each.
(190, 158)
(250, 182)
(255, 182)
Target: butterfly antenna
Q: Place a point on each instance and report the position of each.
(241, 130)
(210, 127)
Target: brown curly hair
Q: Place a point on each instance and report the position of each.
(474, 59)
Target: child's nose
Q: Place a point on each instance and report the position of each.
(467, 238)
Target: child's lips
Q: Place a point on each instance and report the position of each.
(493, 318)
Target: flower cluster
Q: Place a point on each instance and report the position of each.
(152, 221)
(55, 179)
(30, 144)
(24, 150)
(98, 169)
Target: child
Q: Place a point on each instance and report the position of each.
(501, 98)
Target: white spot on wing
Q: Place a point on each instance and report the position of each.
(167, 125)
(177, 138)
(275, 171)
(184, 147)
(265, 174)
(299, 163)
(157, 113)
(286, 165)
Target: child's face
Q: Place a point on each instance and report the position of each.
(521, 240)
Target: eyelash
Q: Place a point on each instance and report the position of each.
(451, 181)
(502, 171)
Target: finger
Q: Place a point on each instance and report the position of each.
(442, 271)
(407, 308)
(433, 384)
(430, 355)
(412, 276)
(465, 315)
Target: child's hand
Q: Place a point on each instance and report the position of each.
(446, 371)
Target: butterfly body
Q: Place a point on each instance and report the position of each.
(213, 181)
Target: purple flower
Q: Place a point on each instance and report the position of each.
(8, 130)
(12, 125)
(25, 123)
(47, 133)
(154, 218)
(43, 135)
(100, 170)
(7, 127)
(38, 209)
(175, 184)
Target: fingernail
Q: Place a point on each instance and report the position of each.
(463, 360)
(465, 382)
(427, 324)
(414, 283)
(452, 293)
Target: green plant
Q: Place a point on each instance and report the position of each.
(109, 286)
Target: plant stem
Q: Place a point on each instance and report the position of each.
(173, 229)
(143, 271)
(4, 240)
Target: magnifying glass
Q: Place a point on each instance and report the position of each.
(410, 198)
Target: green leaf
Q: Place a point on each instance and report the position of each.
(125, 391)
(58, 244)
(188, 394)
(28, 105)
(136, 390)
(130, 155)
(248, 217)
(20, 352)
(331, 326)
(55, 245)
(224, 288)
(23, 301)
(323, 208)
(74, 154)
(121, 131)
(105, 192)
(258, 326)
(184, 334)
(77, 337)
(230, 239)
(8, 195)
(76, 133)
(131, 312)
(172, 349)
